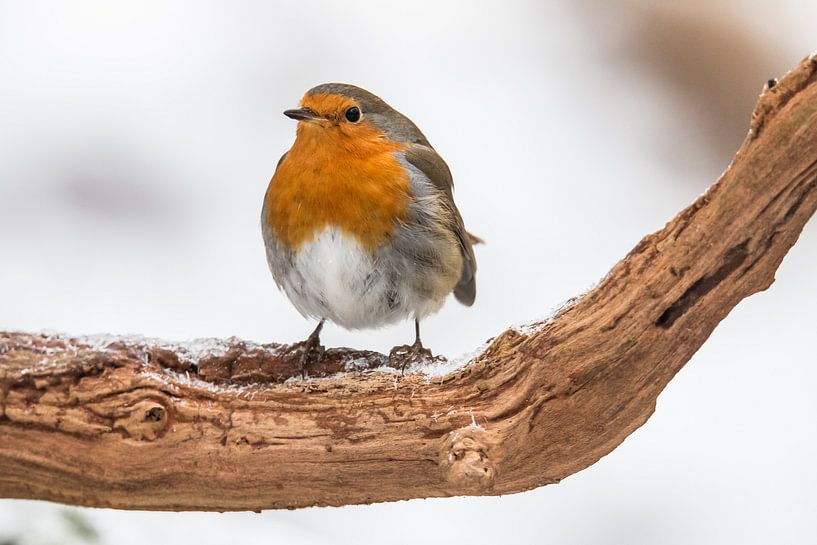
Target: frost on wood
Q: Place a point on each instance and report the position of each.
(228, 425)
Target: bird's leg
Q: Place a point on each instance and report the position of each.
(312, 344)
(410, 353)
(418, 344)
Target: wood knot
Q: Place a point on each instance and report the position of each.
(144, 422)
(465, 459)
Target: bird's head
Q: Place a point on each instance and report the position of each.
(346, 114)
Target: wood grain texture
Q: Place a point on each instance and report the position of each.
(138, 425)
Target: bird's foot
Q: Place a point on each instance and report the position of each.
(311, 352)
(407, 354)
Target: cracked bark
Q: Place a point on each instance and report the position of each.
(140, 425)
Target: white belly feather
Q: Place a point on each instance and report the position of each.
(334, 277)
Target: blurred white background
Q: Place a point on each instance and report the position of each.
(137, 140)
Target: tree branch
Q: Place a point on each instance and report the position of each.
(139, 425)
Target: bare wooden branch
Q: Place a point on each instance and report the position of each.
(138, 425)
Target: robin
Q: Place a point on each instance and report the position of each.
(359, 220)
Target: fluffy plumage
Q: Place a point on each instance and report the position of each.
(359, 220)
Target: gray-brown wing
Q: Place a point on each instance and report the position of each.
(432, 165)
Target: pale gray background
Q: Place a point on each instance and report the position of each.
(137, 139)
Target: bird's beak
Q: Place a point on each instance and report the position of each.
(302, 114)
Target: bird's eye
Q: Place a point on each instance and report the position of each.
(353, 114)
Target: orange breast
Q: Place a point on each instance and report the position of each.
(331, 178)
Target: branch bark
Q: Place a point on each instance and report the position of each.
(140, 425)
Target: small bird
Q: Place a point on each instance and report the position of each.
(359, 220)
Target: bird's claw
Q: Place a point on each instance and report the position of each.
(406, 354)
(311, 351)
